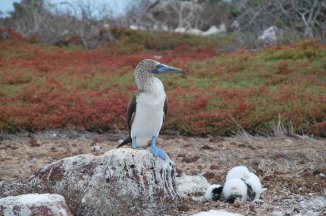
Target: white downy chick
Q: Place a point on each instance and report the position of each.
(254, 182)
(239, 172)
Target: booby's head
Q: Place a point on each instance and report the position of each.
(148, 68)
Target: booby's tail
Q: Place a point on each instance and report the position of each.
(125, 142)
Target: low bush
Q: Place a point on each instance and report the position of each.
(52, 87)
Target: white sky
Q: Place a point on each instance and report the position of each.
(117, 7)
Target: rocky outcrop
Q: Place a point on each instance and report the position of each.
(34, 204)
(120, 182)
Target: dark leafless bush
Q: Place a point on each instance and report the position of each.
(245, 19)
(297, 18)
(300, 17)
(33, 17)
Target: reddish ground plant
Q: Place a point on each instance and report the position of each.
(60, 87)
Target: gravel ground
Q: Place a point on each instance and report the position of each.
(292, 168)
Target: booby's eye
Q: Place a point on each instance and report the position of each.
(158, 69)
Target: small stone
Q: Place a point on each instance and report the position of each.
(34, 204)
(96, 148)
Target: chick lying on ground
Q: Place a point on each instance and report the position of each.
(240, 184)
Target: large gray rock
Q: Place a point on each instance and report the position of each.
(34, 204)
(120, 182)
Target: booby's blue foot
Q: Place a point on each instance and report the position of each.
(156, 151)
(134, 144)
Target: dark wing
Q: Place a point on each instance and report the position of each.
(131, 113)
(130, 118)
(165, 108)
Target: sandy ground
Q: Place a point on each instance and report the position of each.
(292, 168)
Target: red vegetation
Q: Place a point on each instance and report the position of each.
(51, 87)
(11, 33)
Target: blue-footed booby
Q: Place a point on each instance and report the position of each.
(148, 107)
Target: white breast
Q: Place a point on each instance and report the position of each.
(149, 113)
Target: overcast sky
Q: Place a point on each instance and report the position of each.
(117, 7)
(7, 5)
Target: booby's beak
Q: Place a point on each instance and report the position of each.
(162, 68)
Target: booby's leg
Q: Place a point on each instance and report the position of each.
(134, 144)
(156, 151)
